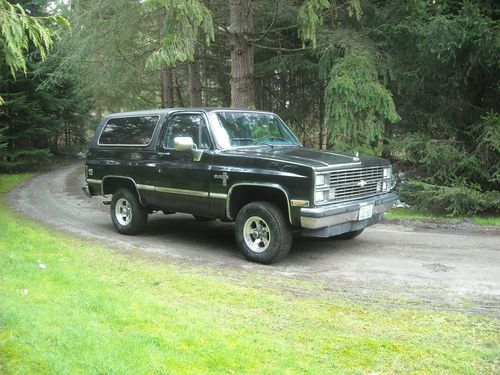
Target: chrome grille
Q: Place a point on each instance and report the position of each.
(356, 183)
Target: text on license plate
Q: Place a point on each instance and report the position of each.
(365, 212)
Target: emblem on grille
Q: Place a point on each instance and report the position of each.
(361, 183)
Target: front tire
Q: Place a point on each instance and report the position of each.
(128, 215)
(262, 232)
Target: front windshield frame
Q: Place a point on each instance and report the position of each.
(214, 123)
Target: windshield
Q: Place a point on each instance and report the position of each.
(240, 129)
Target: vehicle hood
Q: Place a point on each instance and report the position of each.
(317, 159)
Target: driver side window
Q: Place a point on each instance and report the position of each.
(188, 125)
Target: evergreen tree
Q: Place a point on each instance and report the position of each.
(34, 113)
(17, 30)
(417, 81)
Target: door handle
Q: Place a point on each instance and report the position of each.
(162, 154)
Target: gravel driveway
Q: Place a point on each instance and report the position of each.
(386, 264)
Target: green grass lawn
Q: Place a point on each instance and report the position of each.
(94, 310)
(412, 214)
(8, 181)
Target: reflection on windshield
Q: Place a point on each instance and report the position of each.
(239, 129)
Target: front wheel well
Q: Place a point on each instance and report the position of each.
(244, 194)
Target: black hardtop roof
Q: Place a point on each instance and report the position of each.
(161, 111)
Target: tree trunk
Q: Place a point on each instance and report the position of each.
(167, 87)
(194, 82)
(242, 54)
(166, 77)
(323, 132)
(179, 100)
(55, 144)
(66, 137)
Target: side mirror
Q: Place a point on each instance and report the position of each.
(183, 143)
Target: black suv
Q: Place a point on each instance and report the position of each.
(233, 165)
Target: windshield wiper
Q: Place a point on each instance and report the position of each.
(277, 139)
(252, 140)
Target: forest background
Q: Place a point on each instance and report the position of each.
(414, 81)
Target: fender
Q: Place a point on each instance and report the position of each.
(124, 178)
(261, 184)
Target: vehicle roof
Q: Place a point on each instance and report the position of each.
(160, 111)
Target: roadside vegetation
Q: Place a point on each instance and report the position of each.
(72, 306)
(413, 81)
(422, 215)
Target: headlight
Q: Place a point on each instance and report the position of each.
(388, 183)
(387, 172)
(320, 179)
(321, 196)
(322, 188)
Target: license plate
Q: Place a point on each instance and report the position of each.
(365, 212)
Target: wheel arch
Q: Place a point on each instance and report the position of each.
(112, 182)
(274, 193)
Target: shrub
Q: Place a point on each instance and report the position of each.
(23, 160)
(447, 175)
(458, 199)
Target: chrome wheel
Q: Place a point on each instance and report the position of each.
(123, 212)
(257, 234)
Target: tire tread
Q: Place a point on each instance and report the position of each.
(281, 249)
(139, 212)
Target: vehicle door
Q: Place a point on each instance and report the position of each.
(182, 177)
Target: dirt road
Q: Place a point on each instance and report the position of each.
(386, 263)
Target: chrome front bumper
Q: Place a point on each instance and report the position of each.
(86, 190)
(341, 213)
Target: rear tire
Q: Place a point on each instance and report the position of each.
(128, 215)
(349, 235)
(262, 232)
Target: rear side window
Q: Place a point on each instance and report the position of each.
(133, 131)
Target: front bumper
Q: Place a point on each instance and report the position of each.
(86, 190)
(345, 213)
